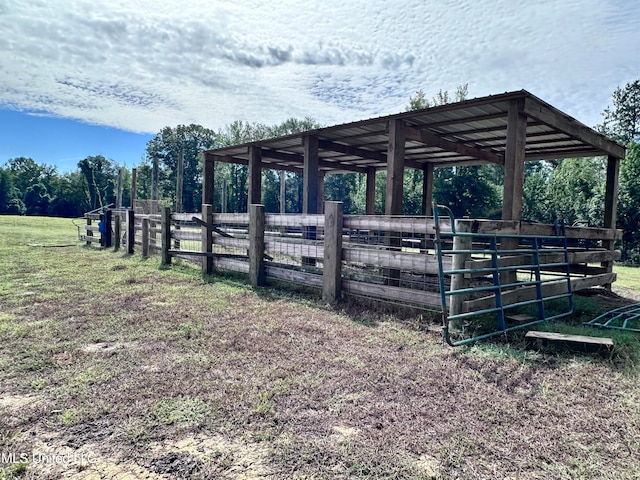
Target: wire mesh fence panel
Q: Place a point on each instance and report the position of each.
(391, 259)
(186, 233)
(230, 233)
(294, 247)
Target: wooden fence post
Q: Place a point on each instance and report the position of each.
(116, 232)
(458, 280)
(131, 231)
(207, 239)
(145, 237)
(256, 245)
(88, 233)
(166, 236)
(106, 241)
(332, 265)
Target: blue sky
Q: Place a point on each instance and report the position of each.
(109, 76)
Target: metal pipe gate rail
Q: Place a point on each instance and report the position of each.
(493, 246)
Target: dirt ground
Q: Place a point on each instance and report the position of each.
(113, 369)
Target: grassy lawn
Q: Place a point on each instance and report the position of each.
(125, 370)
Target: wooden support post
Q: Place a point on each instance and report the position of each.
(154, 183)
(611, 207)
(310, 187)
(427, 189)
(131, 231)
(207, 180)
(145, 237)
(179, 182)
(166, 236)
(256, 245)
(332, 265)
(395, 179)
(116, 232)
(458, 280)
(370, 201)
(254, 175)
(119, 190)
(283, 198)
(320, 191)
(106, 241)
(89, 233)
(134, 186)
(207, 239)
(513, 175)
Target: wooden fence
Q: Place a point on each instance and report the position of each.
(387, 258)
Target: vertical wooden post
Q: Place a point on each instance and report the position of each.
(310, 187)
(320, 200)
(207, 180)
(256, 245)
(119, 190)
(254, 176)
(283, 203)
(134, 186)
(427, 189)
(611, 206)
(131, 231)
(332, 265)
(395, 179)
(458, 280)
(166, 236)
(207, 239)
(116, 232)
(88, 233)
(370, 202)
(106, 241)
(179, 181)
(513, 175)
(154, 183)
(223, 196)
(145, 237)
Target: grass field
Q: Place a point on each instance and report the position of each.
(124, 370)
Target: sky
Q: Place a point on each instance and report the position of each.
(80, 78)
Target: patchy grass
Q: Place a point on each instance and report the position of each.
(165, 374)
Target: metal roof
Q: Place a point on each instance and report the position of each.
(468, 132)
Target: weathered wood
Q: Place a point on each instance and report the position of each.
(185, 217)
(556, 119)
(409, 262)
(231, 264)
(166, 236)
(106, 238)
(208, 179)
(294, 276)
(575, 258)
(145, 237)
(155, 170)
(116, 233)
(294, 220)
(514, 161)
(582, 343)
(254, 176)
(370, 201)
(433, 140)
(231, 218)
(384, 292)
(419, 225)
(131, 231)
(332, 264)
(91, 240)
(611, 205)
(295, 249)
(549, 289)
(119, 190)
(134, 187)
(427, 189)
(458, 280)
(207, 238)
(188, 235)
(310, 176)
(256, 245)
(179, 181)
(395, 167)
(232, 242)
(91, 228)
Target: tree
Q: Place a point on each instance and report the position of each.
(622, 121)
(628, 204)
(100, 175)
(187, 140)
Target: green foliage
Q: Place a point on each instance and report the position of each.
(467, 192)
(100, 175)
(622, 121)
(628, 204)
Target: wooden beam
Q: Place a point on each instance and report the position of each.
(558, 120)
(254, 196)
(298, 161)
(351, 150)
(395, 167)
(611, 206)
(207, 179)
(134, 186)
(427, 189)
(514, 162)
(370, 198)
(434, 140)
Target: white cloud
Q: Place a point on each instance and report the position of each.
(142, 65)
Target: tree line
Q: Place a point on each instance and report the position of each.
(570, 189)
